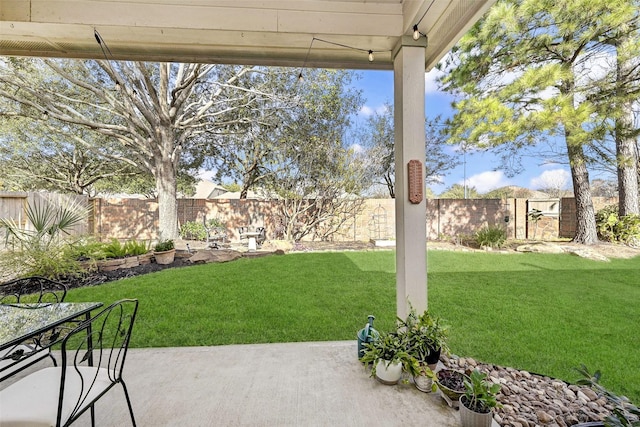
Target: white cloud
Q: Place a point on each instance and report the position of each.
(357, 148)
(366, 111)
(370, 111)
(430, 81)
(486, 181)
(554, 178)
(206, 174)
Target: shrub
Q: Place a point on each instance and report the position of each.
(134, 247)
(215, 222)
(43, 249)
(606, 221)
(192, 230)
(114, 249)
(491, 236)
(612, 228)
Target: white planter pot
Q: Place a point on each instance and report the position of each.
(390, 374)
(468, 418)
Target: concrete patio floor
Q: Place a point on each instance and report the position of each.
(290, 384)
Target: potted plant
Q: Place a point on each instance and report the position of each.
(624, 413)
(426, 338)
(478, 400)
(164, 252)
(389, 358)
(451, 385)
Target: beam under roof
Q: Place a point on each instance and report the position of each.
(311, 33)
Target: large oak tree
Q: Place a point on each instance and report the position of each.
(154, 112)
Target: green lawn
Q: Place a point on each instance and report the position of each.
(543, 313)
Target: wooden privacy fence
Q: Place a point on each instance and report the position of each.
(446, 218)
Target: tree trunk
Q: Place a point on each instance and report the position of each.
(585, 214)
(166, 183)
(626, 152)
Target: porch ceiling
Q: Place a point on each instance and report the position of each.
(261, 32)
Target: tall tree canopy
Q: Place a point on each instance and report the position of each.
(378, 139)
(154, 112)
(523, 74)
(316, 175)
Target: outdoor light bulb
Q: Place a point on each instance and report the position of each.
(370, 56)
(416, 33)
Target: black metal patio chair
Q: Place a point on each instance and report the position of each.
(93, 356)
(34, 289)
(29, 292)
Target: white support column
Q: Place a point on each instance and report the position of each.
(411, 228)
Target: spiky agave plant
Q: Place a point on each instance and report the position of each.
(40, 246)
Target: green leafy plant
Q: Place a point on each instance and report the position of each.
(480, 393)
(192, 230)
(85, 248)
(114, 249)
(624, 413)
(390, 347)
(491, 236)
(606, 222)
(43, 247)
(164, 245)
(613, 228)
(424, 335)
(134, 247)
(215, 222)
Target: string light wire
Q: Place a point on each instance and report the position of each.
(103, 46)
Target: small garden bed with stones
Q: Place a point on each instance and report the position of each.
(530, 400)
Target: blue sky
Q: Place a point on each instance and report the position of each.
(377, 88)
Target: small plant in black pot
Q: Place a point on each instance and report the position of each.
(478, 400)
(426, 337)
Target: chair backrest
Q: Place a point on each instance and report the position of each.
(33, 289)
(93, 354)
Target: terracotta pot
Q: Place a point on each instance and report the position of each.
(165, 257)
(388, 373)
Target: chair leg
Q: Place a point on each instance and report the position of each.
(126, 395)
(55, 362)
(93, 415)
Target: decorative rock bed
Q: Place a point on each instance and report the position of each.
(531, 400)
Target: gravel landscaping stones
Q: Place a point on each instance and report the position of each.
(531, 400)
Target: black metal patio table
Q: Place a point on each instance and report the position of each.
(28, 329)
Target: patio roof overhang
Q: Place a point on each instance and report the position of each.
(312, 33)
